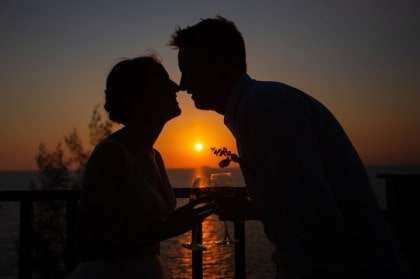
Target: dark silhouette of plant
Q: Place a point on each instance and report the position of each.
(98, 128)
(229, 156)
(57, 171)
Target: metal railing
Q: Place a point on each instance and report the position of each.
(402, 192)
(71, 197)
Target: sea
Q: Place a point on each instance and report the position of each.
(218, 262)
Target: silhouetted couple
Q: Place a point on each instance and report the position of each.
(305, 180)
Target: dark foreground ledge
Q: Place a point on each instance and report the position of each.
(403, 212)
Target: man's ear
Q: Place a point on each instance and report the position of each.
(228, 71)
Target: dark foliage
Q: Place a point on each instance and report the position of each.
(57, 171)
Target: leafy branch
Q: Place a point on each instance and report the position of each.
(228, 156)
(231, 157)
(49, 227)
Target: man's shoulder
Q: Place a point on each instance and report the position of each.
(265, 94)
(273, 89)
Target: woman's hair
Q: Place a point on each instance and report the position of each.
(216, 34)
(127, 77)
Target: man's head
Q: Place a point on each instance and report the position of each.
(211, 58)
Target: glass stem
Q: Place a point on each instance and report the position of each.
(194, 235)
(227, 236)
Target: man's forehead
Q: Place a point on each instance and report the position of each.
(189, 54)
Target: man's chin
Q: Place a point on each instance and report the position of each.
(175, 114)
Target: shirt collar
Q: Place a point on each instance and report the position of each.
(233, 100)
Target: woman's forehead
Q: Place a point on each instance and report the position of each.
(156, 73)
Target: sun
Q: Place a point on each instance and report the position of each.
(198, 147)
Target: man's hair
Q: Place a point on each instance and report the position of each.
(215, 34)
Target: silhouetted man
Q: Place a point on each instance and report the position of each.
(302, 172)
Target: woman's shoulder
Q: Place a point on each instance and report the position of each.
(107, 154)
(109, 147)
(104, 169)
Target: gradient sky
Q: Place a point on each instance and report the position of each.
(360, 58)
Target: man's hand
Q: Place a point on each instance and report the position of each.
(235, 208)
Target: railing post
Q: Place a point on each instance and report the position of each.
(240, 261)
(71, 212)
(197, 256)
(25, 239)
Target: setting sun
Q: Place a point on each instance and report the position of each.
(198, 147)
(180, 140)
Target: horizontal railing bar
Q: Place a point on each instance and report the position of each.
(398, 176)
(72, 194)
(40, 195)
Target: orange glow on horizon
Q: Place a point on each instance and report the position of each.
(186, 144)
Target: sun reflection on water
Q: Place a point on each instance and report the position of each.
(218, 261)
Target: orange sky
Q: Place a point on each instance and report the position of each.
(359, 58)
(378, 145)
(178, 139)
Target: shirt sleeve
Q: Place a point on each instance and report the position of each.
(289, 187)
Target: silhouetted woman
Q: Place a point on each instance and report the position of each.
(127, 204)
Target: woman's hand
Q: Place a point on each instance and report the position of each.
(186, 217)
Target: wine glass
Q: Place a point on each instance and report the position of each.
(223, 186)
(200, 188)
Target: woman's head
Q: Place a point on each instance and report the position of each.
(140, 87)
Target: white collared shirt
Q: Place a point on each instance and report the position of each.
(304, 175)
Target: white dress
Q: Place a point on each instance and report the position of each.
(138, 198)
